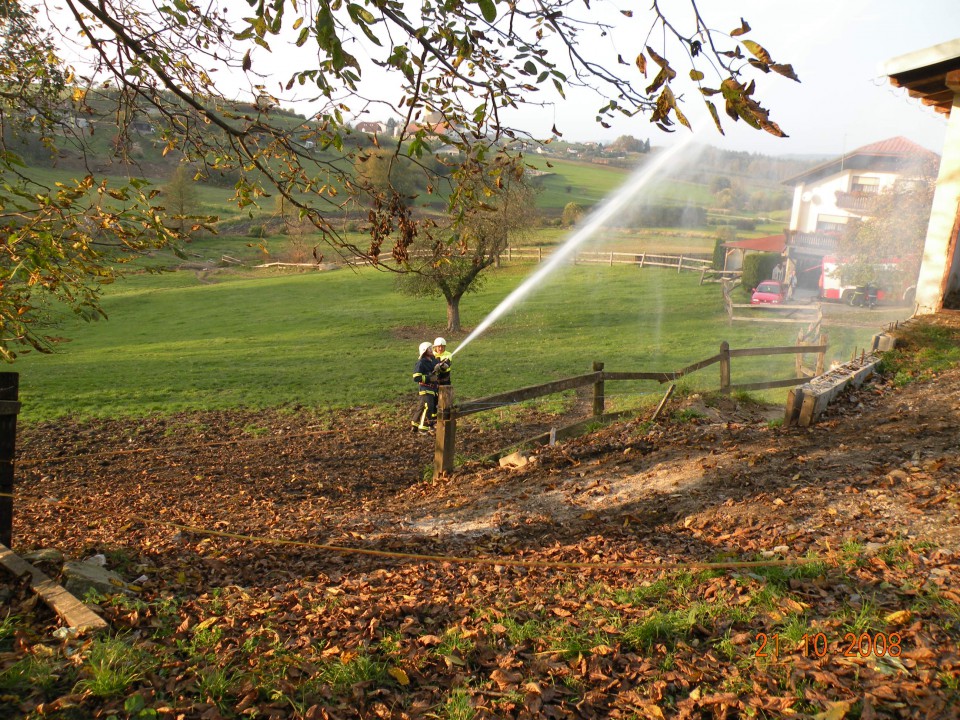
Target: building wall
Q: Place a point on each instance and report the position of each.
(940, 269)
(822, 197)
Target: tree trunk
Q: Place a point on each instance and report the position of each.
(453, 315)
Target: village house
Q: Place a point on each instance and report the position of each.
(839, 192)
(433, 123)
(374, 128)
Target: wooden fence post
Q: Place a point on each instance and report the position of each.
(680, 264)
(798, 358)
(728, 301)
(445, 451)
(9, 408)
(642, 256)
(539, 254)
(725, 367)
(598, 391)
(822, 342)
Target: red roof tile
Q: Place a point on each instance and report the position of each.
(898, 146)
(770, 243)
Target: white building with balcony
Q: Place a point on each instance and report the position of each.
(837, 193)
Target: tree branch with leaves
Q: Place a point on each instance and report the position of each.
(893, 234)
(207, 78)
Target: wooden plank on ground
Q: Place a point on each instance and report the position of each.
(769, 319)
(770, 384)
(767, 307)
(73, 612)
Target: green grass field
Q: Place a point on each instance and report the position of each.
(571, 181)
(588, 183)
(190, 340)
(343, 338)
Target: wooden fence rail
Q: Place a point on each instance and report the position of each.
(448, 411)
(642, 259)
(770, 313)
(680, 263)
(528, 393)
(709, 275)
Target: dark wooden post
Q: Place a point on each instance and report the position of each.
(598, 390)
(445, 450)
(725, 367)
(821, 356)
(9, 408)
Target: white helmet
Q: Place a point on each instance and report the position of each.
(439, 341)
(424, 346)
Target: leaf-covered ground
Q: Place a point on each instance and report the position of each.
(590, 599)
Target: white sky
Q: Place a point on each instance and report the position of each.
(836, 48)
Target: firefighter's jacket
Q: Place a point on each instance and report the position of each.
(422, 372)
(443, 376)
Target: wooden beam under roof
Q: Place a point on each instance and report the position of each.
(928, 75)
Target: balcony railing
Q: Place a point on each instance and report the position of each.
(813, 243)
(860, 201)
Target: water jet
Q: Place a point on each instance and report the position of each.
(590, 225)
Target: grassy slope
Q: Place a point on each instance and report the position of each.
(174, 343)
(344, 338)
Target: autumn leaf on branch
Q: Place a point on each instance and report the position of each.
(742, 30)
(740, 106)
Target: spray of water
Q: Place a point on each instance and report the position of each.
(609, 209)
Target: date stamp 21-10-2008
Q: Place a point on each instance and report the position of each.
(819, 645)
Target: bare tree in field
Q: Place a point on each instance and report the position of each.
(501, 208)
(181, 200)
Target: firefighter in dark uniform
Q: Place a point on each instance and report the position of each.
(425, 415)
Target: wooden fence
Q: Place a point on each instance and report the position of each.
(709, 275)
(769, 313)
(680, 263)
(448, 411)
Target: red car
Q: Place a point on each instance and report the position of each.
(768, 292)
